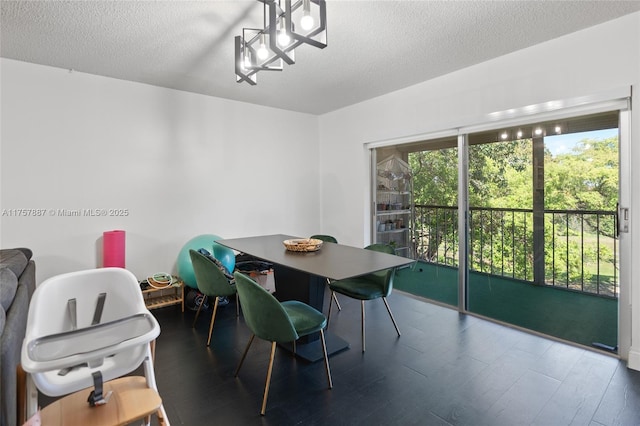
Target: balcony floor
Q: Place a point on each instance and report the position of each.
(577, 317)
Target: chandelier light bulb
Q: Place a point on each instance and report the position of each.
(306, 22)
(263, 52)
(283, 37)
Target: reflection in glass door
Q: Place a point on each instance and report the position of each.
(434, 227)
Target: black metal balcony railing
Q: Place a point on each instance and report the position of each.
(580, 247)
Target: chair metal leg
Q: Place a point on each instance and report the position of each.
(326, 359)
(364, 343)
(244, 355)
(333, 293)
(237, 305)
(198, 311)
(384, 299)
(213, 318)
(335, 299)
(268, 381)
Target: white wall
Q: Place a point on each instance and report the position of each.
(598, 59)
(181, 164)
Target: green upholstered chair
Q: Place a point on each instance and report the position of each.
(367, 287)
(211, 282)
(325, 238)
(329, 239)
(277, 322)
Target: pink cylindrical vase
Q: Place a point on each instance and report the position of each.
(113, 249)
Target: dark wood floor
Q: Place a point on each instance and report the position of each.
(446, 368)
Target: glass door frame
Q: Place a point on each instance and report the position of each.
(463, 222)
(614, 100)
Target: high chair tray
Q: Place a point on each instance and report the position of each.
(90, 339)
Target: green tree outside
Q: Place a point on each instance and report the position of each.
(579, 248)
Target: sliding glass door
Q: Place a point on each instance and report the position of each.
(520, 223)
(542, 231)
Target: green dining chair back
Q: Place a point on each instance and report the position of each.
(382, 278)
(211, 282)
(325, 238)
(368, 287)
(329, 239)
(277, 322)
(263, 314)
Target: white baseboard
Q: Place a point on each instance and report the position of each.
(634, 359)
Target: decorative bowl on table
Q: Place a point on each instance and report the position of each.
(303, 244)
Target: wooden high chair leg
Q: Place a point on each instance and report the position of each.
(27, 395)
(163, 420)
(21, 394)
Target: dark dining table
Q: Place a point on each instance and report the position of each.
(303, 275)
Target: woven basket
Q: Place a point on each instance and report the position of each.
(304, 244)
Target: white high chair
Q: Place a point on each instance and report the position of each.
(86, 330)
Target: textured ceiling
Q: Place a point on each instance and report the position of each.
(374, 47)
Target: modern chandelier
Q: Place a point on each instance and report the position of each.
(284, 29)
